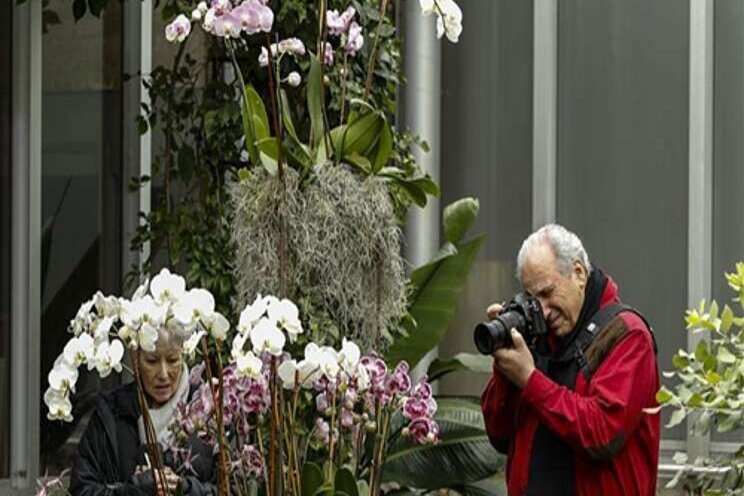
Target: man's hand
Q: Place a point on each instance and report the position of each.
(515, 363)
(494, 309)
(171, 481)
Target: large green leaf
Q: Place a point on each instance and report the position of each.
(491, 486)
(255, 121)
(437, 288)
(458, 217)
(360, 136)
(312, 479)
(462, 361)
(314, 99)
(463, 456)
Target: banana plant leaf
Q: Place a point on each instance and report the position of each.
(437, 289)
(462, 457)
(461, 362)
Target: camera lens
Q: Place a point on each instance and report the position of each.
(494, 335)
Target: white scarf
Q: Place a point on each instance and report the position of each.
(163, 416)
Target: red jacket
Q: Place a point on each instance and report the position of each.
(594, 417)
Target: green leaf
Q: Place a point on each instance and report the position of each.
(695, 401)
(491, 486)
(677, 417)
(96, 7)
(345, 482)
(462, 361)
(314, 89)
(244, 174)
(186, 162)
(464, 455)
(680, 362)
(78, 9)
(727, 318)
(459, 217)
(359, 161)
(713, 377)
(287, 115)
(427, 185)
(725, 356)
(312, 479)
(362, 488)
(384, 148)
(434, 302)
(663, 395)
(360, 136)
(701, 351)
(269, 163)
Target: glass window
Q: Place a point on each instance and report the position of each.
(486, 152)
(81, 190)
(622, 151)
(6, 16)
(728, 152)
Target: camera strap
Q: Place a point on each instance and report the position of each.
(603, 336)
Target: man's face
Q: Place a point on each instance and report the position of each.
(561, 296)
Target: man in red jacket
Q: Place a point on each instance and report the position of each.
(576, 425)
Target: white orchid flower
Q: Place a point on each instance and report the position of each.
(427, 7)
(313, 354)
(102, 329)
(136, 312)
(58, 404)
(238, 344)
(291, 372)
(152, 312)
(106, 306)
(249, 365)
(251, 314)
(267, 337)
(128, 335)
(286, 315)
(79, 350)
(449, 17)
(130, 314)
(329, 364)
(217, 325)
(63, 375)
(189, 346)
(450, 22)
(108, 357)
(82, 319)
(166, 287)
(349, 356)
(325, 359)
(147, 336)
(141, 290)
(193, 306)
(362, 378)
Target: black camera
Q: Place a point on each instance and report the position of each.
(524, 314)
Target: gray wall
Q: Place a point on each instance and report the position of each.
(486, 151)
(623, 70)
(728, 151)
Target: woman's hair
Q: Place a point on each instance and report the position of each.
(566, 247)
(167, 338)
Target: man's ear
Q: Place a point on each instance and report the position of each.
(581, 273)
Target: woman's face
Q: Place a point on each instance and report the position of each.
(161, 372)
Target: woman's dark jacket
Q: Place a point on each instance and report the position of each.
(110, 450)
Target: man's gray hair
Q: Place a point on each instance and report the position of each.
(566, 246)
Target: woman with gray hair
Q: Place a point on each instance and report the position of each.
(112, 455)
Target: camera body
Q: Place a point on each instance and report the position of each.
(523, 313)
